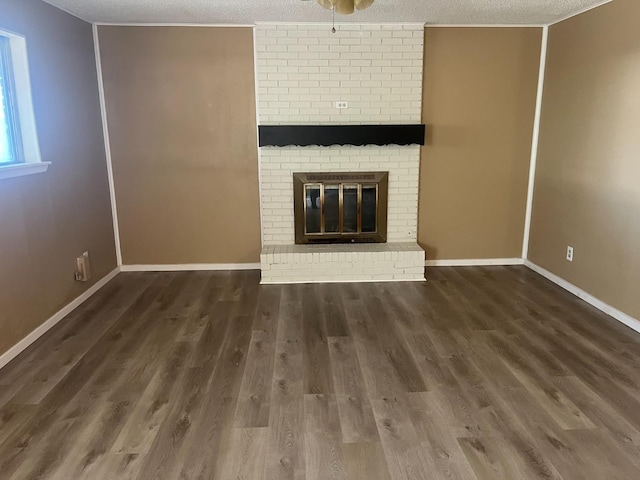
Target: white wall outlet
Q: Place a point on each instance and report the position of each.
(570, 254)
(342, 105)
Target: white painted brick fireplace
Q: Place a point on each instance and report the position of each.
(302, 71)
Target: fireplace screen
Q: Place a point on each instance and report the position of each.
(340, 207)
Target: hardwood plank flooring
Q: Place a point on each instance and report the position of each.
(479, 374)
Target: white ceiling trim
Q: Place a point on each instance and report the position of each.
(488, 25)
(253, 25)
(209, 25)
(338, 23)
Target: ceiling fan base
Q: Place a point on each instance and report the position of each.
(345, 7)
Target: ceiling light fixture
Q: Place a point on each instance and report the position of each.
(344, 7)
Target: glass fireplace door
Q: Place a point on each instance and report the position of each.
(335, 211)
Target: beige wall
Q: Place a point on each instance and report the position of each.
(479, 103)
(587, 192)
(181, 110)
(182, 127)
(47, 220)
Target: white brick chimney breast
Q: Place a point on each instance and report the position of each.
(302, 72)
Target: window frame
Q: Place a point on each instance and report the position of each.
(11, 112)
(21, 116)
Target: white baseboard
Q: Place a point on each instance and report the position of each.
(587, 297)
(14, 351)
(190, 267)
(474, 262)
(18, 348)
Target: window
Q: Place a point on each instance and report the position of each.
(10, 143)
(19, 149)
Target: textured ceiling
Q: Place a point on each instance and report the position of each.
(458, 12)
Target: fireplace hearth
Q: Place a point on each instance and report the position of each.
(340, 207)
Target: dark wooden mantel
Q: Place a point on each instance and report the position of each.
(326, 135)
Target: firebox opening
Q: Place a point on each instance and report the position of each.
(341, 207)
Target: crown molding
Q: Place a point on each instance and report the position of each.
(485, 25)
(138, 24)
(407, 24)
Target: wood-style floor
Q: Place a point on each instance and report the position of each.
(481, 373)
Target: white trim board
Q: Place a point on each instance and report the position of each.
(479, 262)
(191, 267)
(622, 317)
(485, 25)
(253, 25)
(107, 146)
(134, 24)
(23, 344)
(257, 101)
(22, 169)
(329, 23)
(535, 142)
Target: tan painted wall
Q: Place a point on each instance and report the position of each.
(47, 220)
(182, 126)
(587, 191)
(479, 104)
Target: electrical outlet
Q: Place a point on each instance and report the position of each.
(570, 254)
(83, 272)
(342, 105)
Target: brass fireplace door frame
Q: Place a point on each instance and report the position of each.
(381, 179)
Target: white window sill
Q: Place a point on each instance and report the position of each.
(11, 171)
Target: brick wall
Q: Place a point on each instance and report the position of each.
(278, 165)
(302, 71)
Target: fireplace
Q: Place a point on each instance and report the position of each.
(340, 207)
(326, 232)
